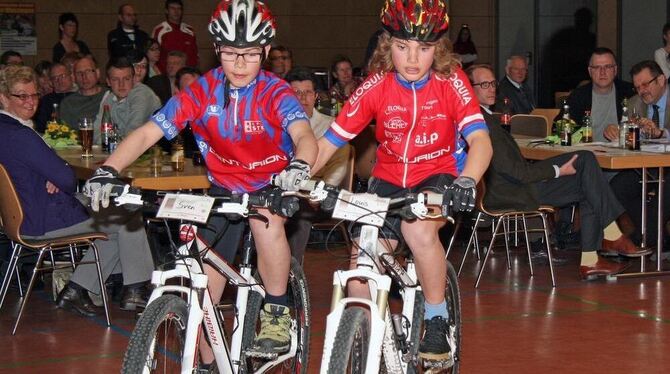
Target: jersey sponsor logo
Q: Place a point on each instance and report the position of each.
(396, 137)
(395, 123)
(419, 158)
(160, 117)
(351, 112)
(426, 120)
(394, 108)
(461, 89)
(428, 105)
(364, 87)
(214, 110)
(253, 127)
(252, 165)
(423, 140)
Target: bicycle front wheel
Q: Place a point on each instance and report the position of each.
(301, 314)
(453, 297)
(157, 343)
(350, 347)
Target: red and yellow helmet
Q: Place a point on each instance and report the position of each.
(242, 24)
(420, 20)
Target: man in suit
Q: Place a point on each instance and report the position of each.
(514, 88)
(165, 85)
(652, 105)
(601, 96)
(513, 182)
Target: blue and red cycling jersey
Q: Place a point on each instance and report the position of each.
(418, 124)
(245, 143)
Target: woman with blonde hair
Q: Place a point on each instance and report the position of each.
(423, 104)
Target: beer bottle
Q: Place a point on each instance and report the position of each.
(587, 132)
(106, 127)
(506, 116)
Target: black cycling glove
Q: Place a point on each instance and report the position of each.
(460, 195)
(285, 206)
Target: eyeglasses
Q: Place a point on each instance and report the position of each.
(275, 58)
(58, 77)
(645, 85)
(486, 85)
(84, 73)
(305, 93)
(248, 57)
(609, 67)
(140, 65)
(25, 97)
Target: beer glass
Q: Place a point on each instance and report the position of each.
(86, 136)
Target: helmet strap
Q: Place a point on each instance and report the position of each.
(226, 94)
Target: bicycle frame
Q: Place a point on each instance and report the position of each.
(380, 285)
(201, 310)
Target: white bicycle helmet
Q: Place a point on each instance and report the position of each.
(242, 24)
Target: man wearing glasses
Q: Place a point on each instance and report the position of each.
(61, 79)
(86, 101)
(514, 88)
(603, 96)
(651, 105)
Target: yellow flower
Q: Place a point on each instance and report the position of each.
(64, 128)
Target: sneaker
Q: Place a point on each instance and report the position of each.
(434, 345)
(274, 336)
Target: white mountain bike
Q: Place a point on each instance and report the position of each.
(166, 336)
(362, 335)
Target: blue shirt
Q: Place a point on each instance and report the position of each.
(30, 163)
(661, 109)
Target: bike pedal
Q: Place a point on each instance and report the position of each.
(262, 355)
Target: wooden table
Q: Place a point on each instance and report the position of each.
(139, 174)
(615, 158)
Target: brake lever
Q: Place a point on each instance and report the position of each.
(253, 213)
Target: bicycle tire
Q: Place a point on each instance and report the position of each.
(167, 308)
(453, 298)
(350, 347)
(301, 311)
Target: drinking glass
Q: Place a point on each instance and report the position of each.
(86, 136)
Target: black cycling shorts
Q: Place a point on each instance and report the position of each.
(391, 229)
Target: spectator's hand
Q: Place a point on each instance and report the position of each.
(104, 183)
(568, 168)
(51, 188)
(461, 195)
(649, 128)
(285, 206)
(611, 133)
(290, 179)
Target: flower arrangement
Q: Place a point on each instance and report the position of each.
(59, 135)
(561, 123)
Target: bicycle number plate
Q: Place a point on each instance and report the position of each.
(194, 208)
(362, 207)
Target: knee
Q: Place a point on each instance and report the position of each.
(420, 240)
(586, 157)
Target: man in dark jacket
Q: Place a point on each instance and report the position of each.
(127, 36)
(604, 93)
(571, 178)
(513, 87)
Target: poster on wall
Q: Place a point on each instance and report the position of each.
(17, 28)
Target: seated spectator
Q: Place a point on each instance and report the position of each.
(165, 85)
(514, 88)
(280, 60)
(345, 83)
(652, 104)
(127, 36)
(303, 82)
(131, 104)
(153, 52)
(46, 186)
(68, 26)
(140, 64)
(186, 76)
(10, 58)
(44, 83)
(465, 47)
(662, 55)
(601, 96)
(86, 101)
(63, 84)
(571, 178)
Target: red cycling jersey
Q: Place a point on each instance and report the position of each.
(417, 123)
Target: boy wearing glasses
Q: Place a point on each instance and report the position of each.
(249, 125)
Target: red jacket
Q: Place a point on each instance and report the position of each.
(176, 38)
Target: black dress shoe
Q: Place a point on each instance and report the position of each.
(76, 301)
(134, 298)
(541, 258)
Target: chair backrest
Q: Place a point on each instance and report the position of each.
(531, 125)
(548, 113)
(10, 207)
